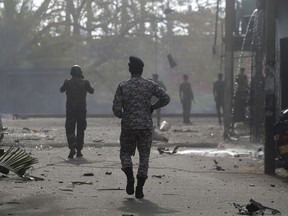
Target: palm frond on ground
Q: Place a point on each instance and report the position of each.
(17, 160)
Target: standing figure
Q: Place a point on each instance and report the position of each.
(218, 92)
(2, 129)
(76, 90)
(161, 84)
(132, 103)
(240, 97)
(186, 97)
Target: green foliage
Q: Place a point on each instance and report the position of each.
(17, 161)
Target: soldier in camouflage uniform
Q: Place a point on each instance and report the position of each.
(76, 90)
(132, 103)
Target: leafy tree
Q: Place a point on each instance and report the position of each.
(100, 35)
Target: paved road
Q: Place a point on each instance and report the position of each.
(178, 184)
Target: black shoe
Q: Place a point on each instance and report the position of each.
(79, 154)
(72, 153)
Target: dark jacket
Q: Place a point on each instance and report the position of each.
(76, 90)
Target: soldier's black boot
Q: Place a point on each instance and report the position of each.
(72, 153)
(79, 154)
(72, 150)
(139, 188)
(130, 180)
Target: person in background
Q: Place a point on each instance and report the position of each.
(241, 96)
(76, 90)
(2, 129)
(1, 125)
(161, 84)
(218, 92)
(186, 98)
(132, 104)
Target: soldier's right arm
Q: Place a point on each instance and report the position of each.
(63, 88)
(117, 103)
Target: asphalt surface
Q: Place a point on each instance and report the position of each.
(185, 183)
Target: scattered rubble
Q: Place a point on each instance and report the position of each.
(88, 174)
(218, 168)
(158, 176)
(165, 126)
(255, 207)
(81, 183)
(162, 150)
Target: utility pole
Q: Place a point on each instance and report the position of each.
(229, 29)
(269, 157)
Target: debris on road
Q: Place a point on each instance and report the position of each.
(97, 141)
(162, 150)
(158, 137)
(158, 176)
(17, 161)
(88, 174)
(26, 130)
(185, 130)
(17, 116)
(81, 183)
(165, 126)
(109, 189)
(66, 189)
(218, 168)
(254, 207)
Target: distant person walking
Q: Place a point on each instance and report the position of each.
(76, 90)
(186, 98)
(154, 99)
(132, 103)
(218, 92)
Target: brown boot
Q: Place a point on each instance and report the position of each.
(139, 188)
(130, 180)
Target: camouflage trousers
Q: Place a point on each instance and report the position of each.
(129, 141)
(75, 118)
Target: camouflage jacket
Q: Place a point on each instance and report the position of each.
(132, 102)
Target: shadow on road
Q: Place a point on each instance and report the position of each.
(143, 207)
